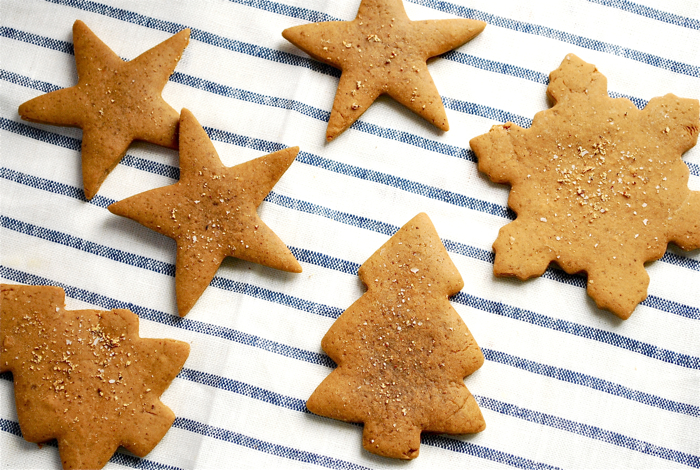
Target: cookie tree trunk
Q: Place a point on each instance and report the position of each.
(402, 350)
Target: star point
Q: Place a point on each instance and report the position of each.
(114, 102)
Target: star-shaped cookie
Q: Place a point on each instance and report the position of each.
(85, 377)
(114, 102)
(599, 186)
(382, 52)
(211, 212)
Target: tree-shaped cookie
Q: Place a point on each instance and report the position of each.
(211, 213)
(85, 377)
(598, 185)
(114, 102)
(383, 52)
(402, 350)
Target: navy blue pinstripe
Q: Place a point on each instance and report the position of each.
(553, 274)
(652, 13)
(334, 312)
(562, 36)
(125, 460)
(267, 146)
(498, 406)
(592, 432)
(400, 136)
(447, 7)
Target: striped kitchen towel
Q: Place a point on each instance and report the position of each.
(564, 384)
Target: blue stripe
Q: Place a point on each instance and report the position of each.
(263, 446)
(515, 25)
(299, 405)
(350, 267)
(362, 126)
(466, 447)
(407, 185)
(605, 386)
(455, 56)
(651, 13)
(199, 35)
(35, 39)
(228, 334)
(592, 432)
(488, 403)
(563, 36)
(586, 430)
(21, 80)
(333, 312)
(487, 112)
(359, 125)
(125, 460)
(583, 331)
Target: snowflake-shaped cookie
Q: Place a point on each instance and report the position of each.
(598, 185)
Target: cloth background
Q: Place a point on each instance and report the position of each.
(564, 384)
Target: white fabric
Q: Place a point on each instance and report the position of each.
(564, 385)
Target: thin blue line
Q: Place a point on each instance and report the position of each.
(349, 267)
(589, 431)
(126, 460)
(267, 146)
(228, 334)
(316, 113)
(563, 36)
(489, 306)
(299, 405)
(652, 13)
(583, 331)
(263, 446)
(595, 383)
(495, 405)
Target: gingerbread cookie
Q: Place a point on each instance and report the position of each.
(382, 52)
(114, 102)
(402, 350)
(85, 377)
(212, 212)
(598, 185)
